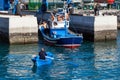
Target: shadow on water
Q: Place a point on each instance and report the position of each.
(4, 51)
(42, 71)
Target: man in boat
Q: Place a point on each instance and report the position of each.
(44, 24)
(42, 54)
(46, 27)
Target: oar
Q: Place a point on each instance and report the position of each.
(49, 57)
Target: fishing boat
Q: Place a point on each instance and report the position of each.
(57, 32)
(39, 62)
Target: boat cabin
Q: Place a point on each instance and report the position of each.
(60, 24)
(59, 28)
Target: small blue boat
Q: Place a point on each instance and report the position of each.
(39, 62)
(58, 33)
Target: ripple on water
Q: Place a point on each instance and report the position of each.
(91, 61)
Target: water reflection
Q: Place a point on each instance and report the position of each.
(91, 61)
(4, 51)
(43, 72)
(107, 60)
(16, 61)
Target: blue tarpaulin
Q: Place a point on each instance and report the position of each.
(14, 11)
(4, 4)
(43, 7)
(69, 1)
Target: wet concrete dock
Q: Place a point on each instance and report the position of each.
(17, 30)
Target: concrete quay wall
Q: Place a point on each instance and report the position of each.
(16, 29)
(95, 28)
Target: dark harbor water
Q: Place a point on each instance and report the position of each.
(91, 61)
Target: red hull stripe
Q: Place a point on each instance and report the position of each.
(70, 45)
(63, 45)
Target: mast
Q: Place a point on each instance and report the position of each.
(66, 10)
(65, 13)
